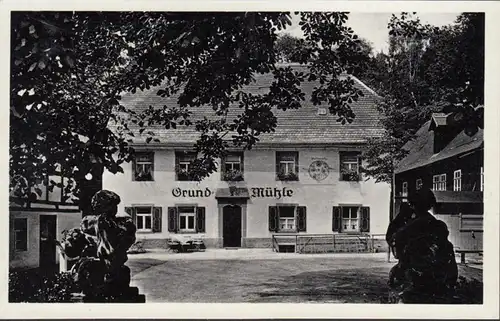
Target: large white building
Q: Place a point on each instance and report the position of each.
(299, 181)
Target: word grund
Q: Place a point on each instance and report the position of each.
(179, 192)
(271, 192)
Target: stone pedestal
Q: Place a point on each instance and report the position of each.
(131, 295)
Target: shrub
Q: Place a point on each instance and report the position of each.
(233, 176)
(35, 286)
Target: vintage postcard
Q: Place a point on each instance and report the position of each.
(251, 160)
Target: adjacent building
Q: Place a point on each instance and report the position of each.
(442, 157)
(303, 179)
(36, 222)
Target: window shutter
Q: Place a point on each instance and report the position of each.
(222, 167)
(277, 164)
(153, 167)
(172, 219)
(360, 163)
(200, 219)
(297, 164)
(157, 219)
(340, 166)
(131, 211)
(301, 219)
(365, 219)
(336, 219)
(133, 169)
(273, 218)
(242, 164)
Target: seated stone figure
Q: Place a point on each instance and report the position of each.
(100, 247)
(427, 260)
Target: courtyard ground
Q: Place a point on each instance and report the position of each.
(222, 276)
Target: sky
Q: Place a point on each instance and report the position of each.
(373, 26)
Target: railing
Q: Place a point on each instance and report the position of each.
(324, 243)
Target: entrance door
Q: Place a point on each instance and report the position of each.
(47, 241)
(231, 226)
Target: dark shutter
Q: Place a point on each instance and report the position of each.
(200, 219)
(157, 219)
(152, 155)
(277, 165)
(336, 219)
(301, 219)
(131, 211)
(133, 169)
(242, 164)
(172, 219)
(365, 219)
(360, 163)
(222, 167)
(273, 219)
(297, 164)
(176, 169)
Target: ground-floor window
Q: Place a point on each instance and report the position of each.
(147, 218)
(439, 182)
(351, 219)
(287, 218)
(21, 234)
(186, 219)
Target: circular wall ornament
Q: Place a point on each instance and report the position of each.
(319, 170)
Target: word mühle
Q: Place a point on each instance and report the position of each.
(271, 192)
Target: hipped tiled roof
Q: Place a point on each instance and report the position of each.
(421, 149)
(302, 125)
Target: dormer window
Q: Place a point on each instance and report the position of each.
(321, 111)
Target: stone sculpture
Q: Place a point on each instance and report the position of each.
(99, 250)
(427, 271)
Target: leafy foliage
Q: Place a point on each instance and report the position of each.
(69, 70)
(30, 286)
(427, 69)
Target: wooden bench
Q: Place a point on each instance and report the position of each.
(462, 253)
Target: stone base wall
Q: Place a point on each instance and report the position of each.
(379, 245)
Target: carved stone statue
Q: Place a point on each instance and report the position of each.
(427, 270)
(99, 248)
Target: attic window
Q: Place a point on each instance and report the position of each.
(321, 111)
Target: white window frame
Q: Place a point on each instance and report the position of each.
(15, 234)
(142, 217)
(232, 164)
(289, 223)
(184, 216)
(482, 179)
(439, 182)
(418, 184)
(289, 165)
(143, 164)
(404, 189)
(350, 220)
(457, 180)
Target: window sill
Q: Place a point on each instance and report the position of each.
(187, 232)
(145, 232)
(145, 180)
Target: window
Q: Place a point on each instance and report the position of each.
(349, 166)
(143, 167)
(21, 234)
(482, 179)
(147, 218)
(439, 182)
(404, 189)
(287, 218)
(144, 218)
(350, 219)
(233, 167)
(187, 221)
(419, 184)
(287, 166)
(183, 165)
(471, 222)
(457, 180)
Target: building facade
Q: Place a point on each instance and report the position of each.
(449, 162)
(302, 179)
(36, 223)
